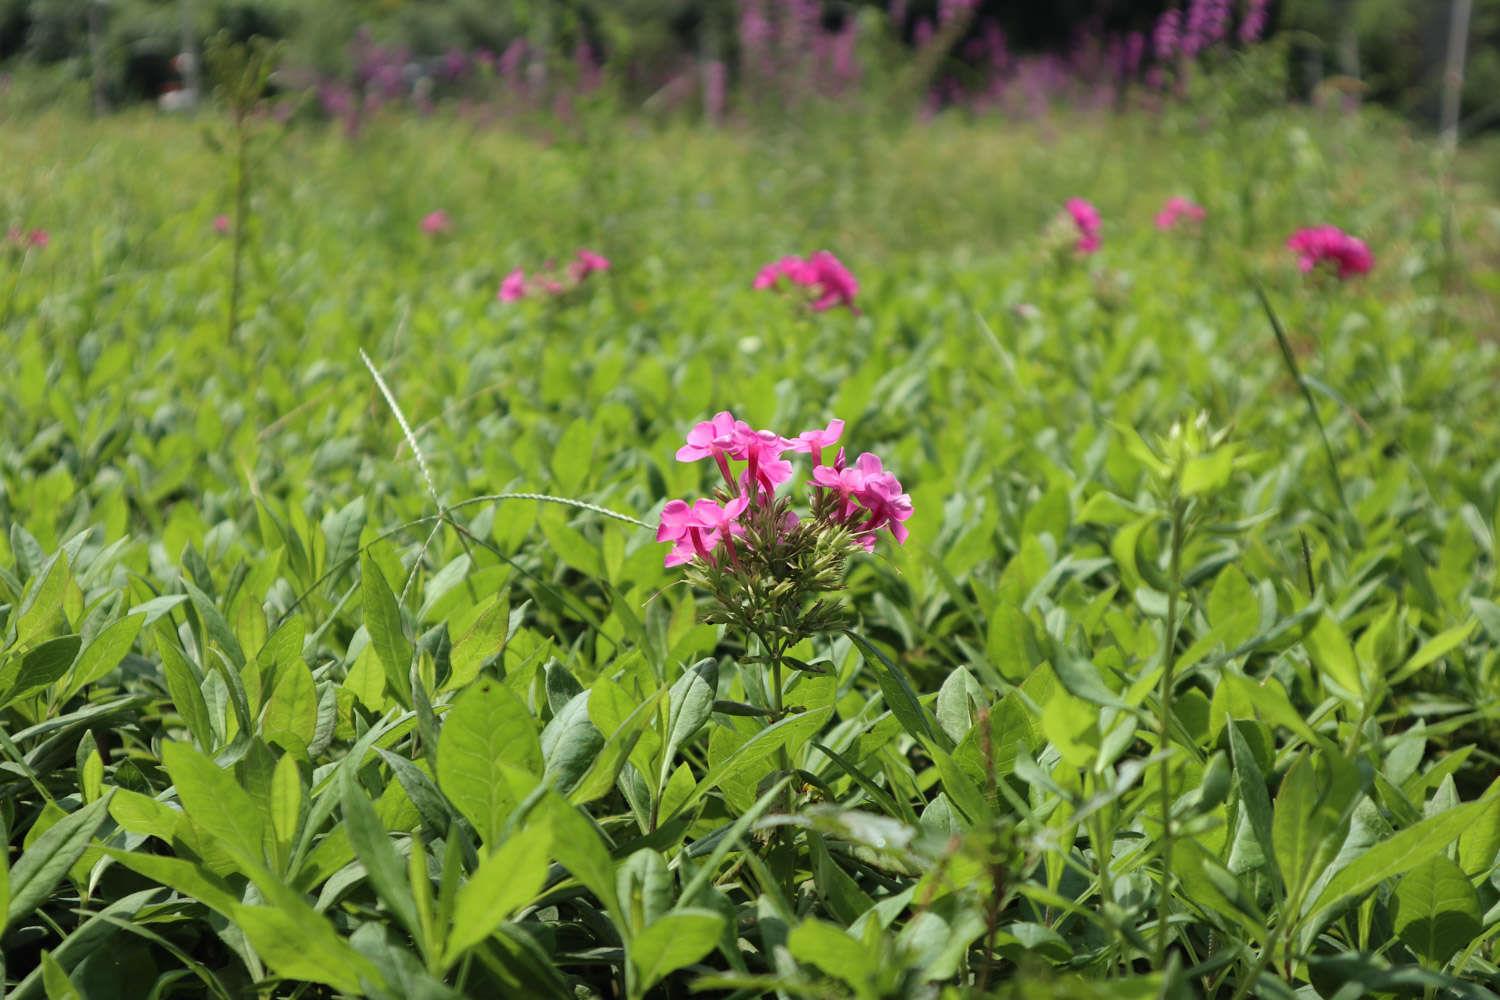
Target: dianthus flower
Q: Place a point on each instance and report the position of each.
(516, 286)
(436, 223)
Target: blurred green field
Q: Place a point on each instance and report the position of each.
(190, 514)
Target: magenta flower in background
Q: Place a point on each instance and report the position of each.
(1086, 220)
(1176, 210)
(221, 223)
(513, 287)
(36, 239)
(1316, 245)
(831, 283)
(586, 263)
(436, 223)
(1257, 14)
(1167, 34)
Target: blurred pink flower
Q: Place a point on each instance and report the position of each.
(823, 273)
(221, 223)
(513, 287)
(585, 264)
(1316, 245)
(1086, 219)
(436, 223)
(1177, 209)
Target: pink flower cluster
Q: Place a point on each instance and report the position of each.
(865, 496)
(516, 286)
(829, 280)
(221, 224)
(21, 239)
(1317, 245)
(1176, 210)
(436, 223)
(1086, 219)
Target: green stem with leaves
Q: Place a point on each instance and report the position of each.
(1164, 722)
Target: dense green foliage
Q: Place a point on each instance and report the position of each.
(281, 704)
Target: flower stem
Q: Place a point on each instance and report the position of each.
(1164, 723)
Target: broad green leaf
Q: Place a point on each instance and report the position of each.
(104, 653)
(573, 457)
(42, 604)
(1437, 910)
(42, 865)
(831, 949)
(290, 717)
(286, 801)
(676, 940)
(570, 744)
(56, 981)
(486, 732)
(384, 868)
(1332, 654)
(1400, 852)
(42, 665)
(505, 881)
(900, 697)
(299, 944)
(185, 687)
(479, 643)
(601, 775)
(1435, 649)
(690, 703)
(1250, 785)
(215, 802)
(578, 847)
(387, 634)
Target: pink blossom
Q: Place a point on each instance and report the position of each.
(823, 273)
(697, 529)
(718, 439)
(1175, 210)
(765, 467)
(814, 441)
(1086, 219)
(1319, 244)
(221, 223)
(513, 287)
(586, 263)
(436, 223)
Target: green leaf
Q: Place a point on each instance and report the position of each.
(1334, 657)
(573, 456)
(478, 644)
(290, 718)
(1233, 609)
(487, 732)
(104, 653)
(286, 801)
(570, 744)
(506, 880)
(1400, 852)
(299, 944)
(600, 777)
(676, 940)
(900, 697)
(1251, 786)
(341, 531)
(49, 857)
(829, 948)
(185, 686)
(1435, 649)
(1437, 910)
(216, 803)
(387, 635)
(55, 981)
(42, 665)
(42, 604)
(690, 703)
(384, 868)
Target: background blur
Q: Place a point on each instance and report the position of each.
(716, 58)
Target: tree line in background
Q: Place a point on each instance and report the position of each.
(696, 52)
